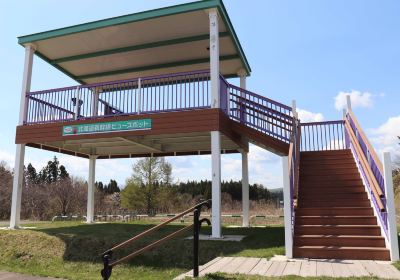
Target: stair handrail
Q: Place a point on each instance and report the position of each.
(361, 134)
(107, 255)
(367, 172)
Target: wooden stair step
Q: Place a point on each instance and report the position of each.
(336, 220)
(326, 165)
(328, 177)
(332, 190)
(329, 152)
(333, 171)
(333, 196)
(338, 230)
(338, 252)
(305, 184)
(339, 240)
(337, 203)
(339, 211)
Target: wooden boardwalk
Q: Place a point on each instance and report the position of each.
(17, 276)
(301, 267)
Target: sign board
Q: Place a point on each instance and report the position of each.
(105, 127)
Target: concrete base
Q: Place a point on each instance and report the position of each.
(236, 238)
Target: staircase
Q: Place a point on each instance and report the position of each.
(334, 218)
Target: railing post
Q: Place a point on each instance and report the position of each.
(390, 208)
(348, 103)
(95, 102)
(242, 108)
(196, 228)
(77, 102)
(139, 96)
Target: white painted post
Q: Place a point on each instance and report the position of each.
(390, 207)
(139, 97)
(294, 108)
(215, 135)
(77, 99)
(214, 58)
(348, 102)
(242, 76)
(242, 109)
(20, 148)
(245, 189)
(90, 194)
(95, 103)
(287, 208)
(216, 184)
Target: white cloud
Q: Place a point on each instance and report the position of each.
(307, 116)
(358, 99)
(385, 136)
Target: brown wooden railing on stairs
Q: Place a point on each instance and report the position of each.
(369, 165)
(107, 256)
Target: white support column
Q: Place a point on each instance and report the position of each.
(90, 194)
(216, 184)
(245, 189)
(20, 149)
(287, 208)
(214, 58)
(390, 207)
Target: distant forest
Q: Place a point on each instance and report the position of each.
(151, 189)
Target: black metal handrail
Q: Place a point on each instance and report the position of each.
(108, 264)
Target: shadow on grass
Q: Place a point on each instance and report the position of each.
(87, 242)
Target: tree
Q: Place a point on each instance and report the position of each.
(6, 178)
(112, 187)
(142, 189)
(53, 172)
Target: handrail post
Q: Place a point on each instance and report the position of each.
(77, 102)
(139, 96)
(348, 103)
(390, 208)
(196, 228)
(242, 108)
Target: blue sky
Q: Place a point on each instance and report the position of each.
(313, 51)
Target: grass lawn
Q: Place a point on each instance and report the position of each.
(71, 250)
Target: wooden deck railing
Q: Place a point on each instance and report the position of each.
(173, 92)
(369, 164)
(107, 256)
(260, 113)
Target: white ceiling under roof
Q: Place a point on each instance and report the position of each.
(168, 40)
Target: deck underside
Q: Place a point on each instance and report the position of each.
(172, 134)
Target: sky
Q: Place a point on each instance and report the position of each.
(313, 51)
